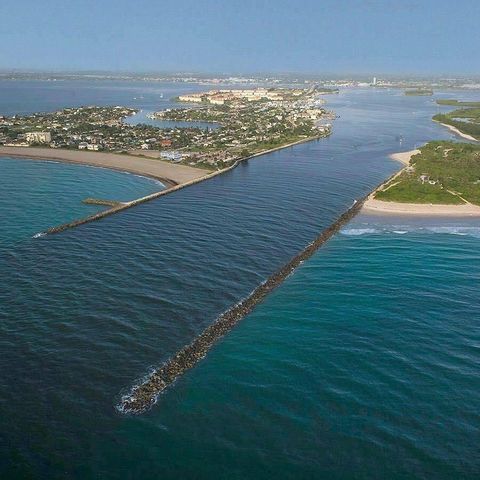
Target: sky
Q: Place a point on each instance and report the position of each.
(242, 36)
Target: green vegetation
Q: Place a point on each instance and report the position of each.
(247, 122)
(467, 120)
(248, 127)
(456, 103)
(96, 128)
(443, 173)
(418, 92)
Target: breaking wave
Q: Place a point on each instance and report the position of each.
(472, 231)
(359, 231)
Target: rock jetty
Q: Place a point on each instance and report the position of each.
(143, 396)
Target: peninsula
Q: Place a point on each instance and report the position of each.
(465, 122)
(251, 121)
(419, 92)
(442, 178)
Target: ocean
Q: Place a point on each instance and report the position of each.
(363, 364)
(37, 194)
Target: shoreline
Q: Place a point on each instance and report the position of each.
(402, 157)
(380, 207)
(168, 174)
(179, 172)
(457, 131)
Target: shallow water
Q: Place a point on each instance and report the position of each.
(362, 365)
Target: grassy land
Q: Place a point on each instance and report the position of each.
(456, 103)
(472, 124)
(453, 168)
(419, 92)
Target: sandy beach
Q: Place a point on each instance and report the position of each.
(374, 206)
(404, 157)
(169, 174)
(173, 176)
(458, 132)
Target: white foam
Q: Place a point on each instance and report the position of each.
(38, 235)
(452, 230)
(358, 231)
(472, 231)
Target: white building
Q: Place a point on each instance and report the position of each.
(172, 156)
(93, 146)
(194, 97)
(38, 137)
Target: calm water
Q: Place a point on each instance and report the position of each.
(25, 97)
(143, 118)
(363, 364)
(36, 194)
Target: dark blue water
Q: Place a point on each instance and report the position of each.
(362, 365)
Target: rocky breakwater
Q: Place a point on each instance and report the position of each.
(144, 395)
(101, 202)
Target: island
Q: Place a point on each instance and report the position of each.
(418, 92)
(442, 178)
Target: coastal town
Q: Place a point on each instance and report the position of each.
(240, 123)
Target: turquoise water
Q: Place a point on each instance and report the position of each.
(36, 195)
(363, 364)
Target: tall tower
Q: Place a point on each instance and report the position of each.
(374, 81)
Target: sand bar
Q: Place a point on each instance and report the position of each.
(168, 173)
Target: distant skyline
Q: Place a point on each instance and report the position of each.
(244, 36)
